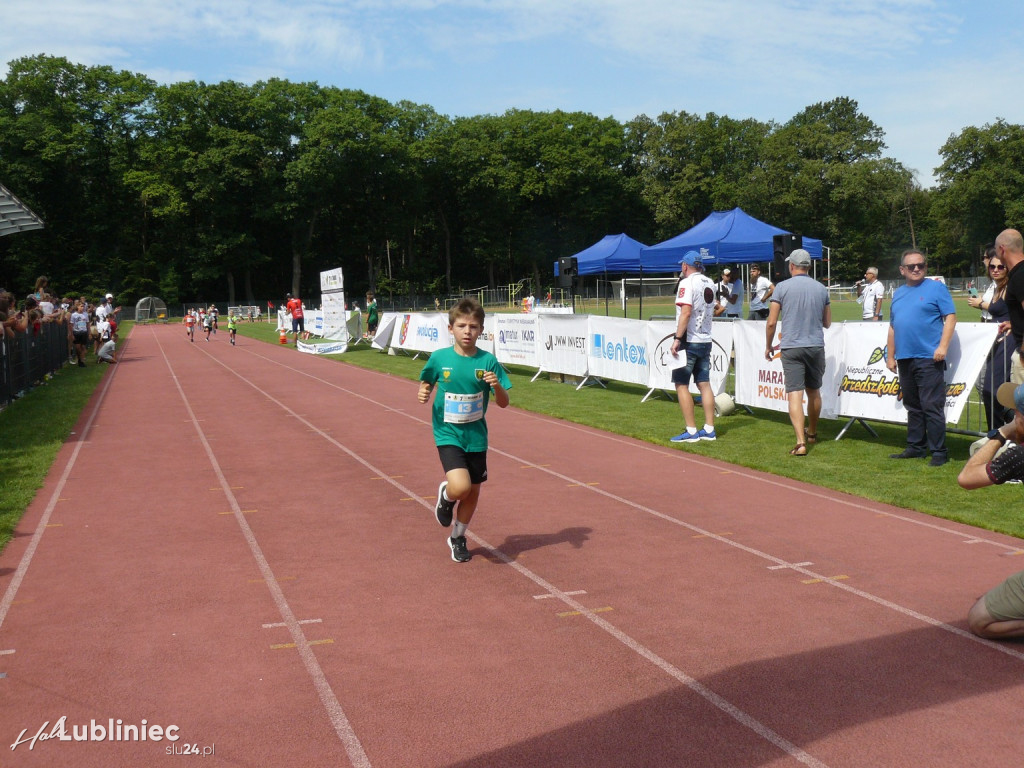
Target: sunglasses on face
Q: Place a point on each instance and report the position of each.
(916, 266)
(995, 266)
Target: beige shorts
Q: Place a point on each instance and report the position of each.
(1006, 601)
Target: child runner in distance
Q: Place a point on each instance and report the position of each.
(464, 377)
(190, 326)
(232, 326)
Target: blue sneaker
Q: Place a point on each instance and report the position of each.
(686, 437)
(704, 435)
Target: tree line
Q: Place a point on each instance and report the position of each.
(202, 192)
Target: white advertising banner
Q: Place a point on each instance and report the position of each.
(759, 381)
(617, 348)
(541, 309)
(660, 334)
(486, 339)
(867, 389)
(329, 348)
(563, 343)
(421, 332)
(333, 323)
(516, 340)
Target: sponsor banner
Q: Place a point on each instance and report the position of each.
(421, 332)
(617, 348)
(516, 340)
(332, 281)
(659, 340)
(563, 343)
(331, 348)
(486, 339)
(867, 389)
(333, 318)
(540, 309)
(759, 382)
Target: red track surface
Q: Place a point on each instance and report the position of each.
(239, 541)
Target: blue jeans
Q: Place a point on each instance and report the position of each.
(924, 396)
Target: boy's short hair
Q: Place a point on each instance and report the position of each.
(466, 306)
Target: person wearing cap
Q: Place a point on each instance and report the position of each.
(802, 307)
(999, 613)
(695, 305)
(921, 325)
(870, 295)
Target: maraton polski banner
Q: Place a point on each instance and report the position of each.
(868, 389)
(660, 334)
(516, 339)
(563, 343)
(332, 297)
(759, 382)
(617, 349)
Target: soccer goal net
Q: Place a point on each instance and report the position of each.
(634, 287)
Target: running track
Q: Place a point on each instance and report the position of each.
(240, 542)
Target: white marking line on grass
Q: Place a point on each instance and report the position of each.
(909, 612)
(33, 544)
(342, 726)
(718, 701)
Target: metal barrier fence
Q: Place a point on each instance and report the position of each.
(28, 358)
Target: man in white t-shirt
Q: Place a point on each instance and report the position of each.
(761, 289)
(734, 301)
(695, 305)
(871, 294)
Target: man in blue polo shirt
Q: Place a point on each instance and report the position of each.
(920, 330)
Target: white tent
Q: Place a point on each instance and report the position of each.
(15, 216)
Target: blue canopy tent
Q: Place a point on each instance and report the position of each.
(730, 237)
(612, 253)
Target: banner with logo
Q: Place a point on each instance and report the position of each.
(617, 348)
(759, 382)
(563, 343)
(516, 340)
(421, 332)
(867, 389)
(332, 298)
(330, 348)
(660, 334)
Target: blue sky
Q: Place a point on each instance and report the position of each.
(921, 69)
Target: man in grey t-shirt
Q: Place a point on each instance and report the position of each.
(802, 306)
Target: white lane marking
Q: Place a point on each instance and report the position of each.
(339, 720)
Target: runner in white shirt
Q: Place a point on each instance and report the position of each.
(695, 305)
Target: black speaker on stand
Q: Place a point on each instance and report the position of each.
(782, 246)
(568, 269)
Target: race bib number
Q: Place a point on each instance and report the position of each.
(463, 409)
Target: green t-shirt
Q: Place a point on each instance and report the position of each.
(461, 396)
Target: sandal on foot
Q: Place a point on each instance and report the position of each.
(800, 449)
(811, 438)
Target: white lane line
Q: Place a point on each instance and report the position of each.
(339, 720)
(706, 693)
(908, 612)
(37, 536)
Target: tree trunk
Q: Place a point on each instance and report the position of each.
(300, 248)
(248, 288)
(447, 250)
(231, 289)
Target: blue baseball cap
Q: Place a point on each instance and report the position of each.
(693, 259)
(1011, 395)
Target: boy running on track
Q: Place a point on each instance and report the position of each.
(465, 377)
(207, 325)
(232, 327)
(190, 326)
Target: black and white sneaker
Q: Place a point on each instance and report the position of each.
(444, 508)
(460, 554)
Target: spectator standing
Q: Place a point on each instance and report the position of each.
(695, 306)
(1010, 247)
(921, 327)
(1000, 358)
(734, 301)
(761, 289)
(80, 332)
(871, 295)
(372, 314)
(982, 302)
(803, 308)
